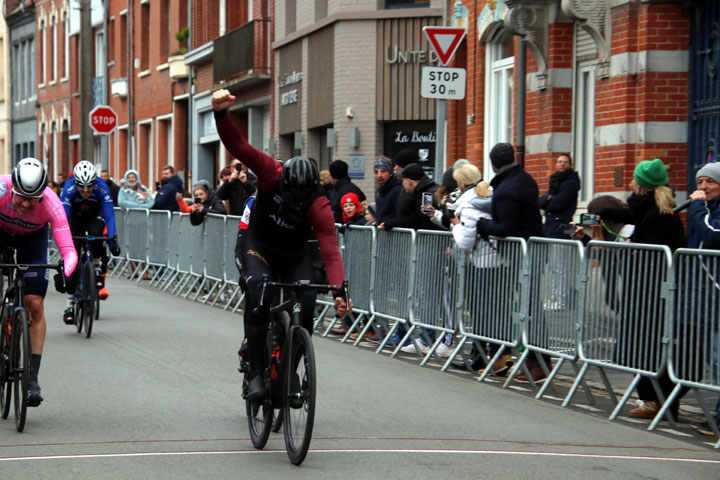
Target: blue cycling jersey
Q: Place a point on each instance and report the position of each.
(99, 203)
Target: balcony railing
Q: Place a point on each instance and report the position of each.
(244, 52)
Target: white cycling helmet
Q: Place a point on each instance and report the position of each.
(29, 178)
(84, 173)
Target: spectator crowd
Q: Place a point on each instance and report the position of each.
(474, 210)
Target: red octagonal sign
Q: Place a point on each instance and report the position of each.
(103, 119)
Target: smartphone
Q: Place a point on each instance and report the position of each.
(238, 167)
(157, 185)
(427, 201)
(196, 200)
(587, 219)
(569, 229)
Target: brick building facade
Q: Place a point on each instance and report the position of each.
(607, 81)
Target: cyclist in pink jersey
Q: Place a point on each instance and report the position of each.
(27, 205)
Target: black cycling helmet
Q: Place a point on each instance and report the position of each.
(299, 180)
(29, 178)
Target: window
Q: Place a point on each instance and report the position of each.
(43, 50)
(66, 45)
(164, 30)
(499, 96)
(54, 69)
(145, 36)
(584, 129)
(290, 16)
(123, 43)
(406, 3)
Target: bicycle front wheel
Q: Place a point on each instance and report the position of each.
(299, 405)
(89, 296)
(260, 419)
(20, 365)
(5, 377)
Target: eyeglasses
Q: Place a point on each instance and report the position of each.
(85, 187)
(32, 200)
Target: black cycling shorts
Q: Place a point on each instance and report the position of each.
(31, 248)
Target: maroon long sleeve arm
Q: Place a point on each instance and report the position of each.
(267, 169)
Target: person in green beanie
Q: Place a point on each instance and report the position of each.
(650, 210)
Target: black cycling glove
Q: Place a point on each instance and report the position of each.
(60, 283)
(115, 249)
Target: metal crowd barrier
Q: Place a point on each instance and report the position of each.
(393, 285)
(553, 302)
(358, 247)
(624, 317)
(693, 327)
(628, 307)
(489, 315)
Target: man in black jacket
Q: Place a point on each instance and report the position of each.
(114, 188)
(408, 214)
(389, 188)
(238, 188)
(171, 184)
(515, 213)
(343, 186)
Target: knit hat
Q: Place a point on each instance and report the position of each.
(350, 198)
(651, 174)
(502, 154)
(382, 163)
(459, 163)
(406, 157)
(372, 208)
(338, 169)
(413, 172)
(711, 170)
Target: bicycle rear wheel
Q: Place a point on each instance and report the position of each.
(20, 364)
(299, 404)
(5, 377)
(89, 296)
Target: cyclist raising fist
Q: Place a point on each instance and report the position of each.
(288, 205)
(26, 207)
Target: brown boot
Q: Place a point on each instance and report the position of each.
(650, 409)
(501, 367)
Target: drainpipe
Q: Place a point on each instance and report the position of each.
(521, 90)
(131, 92)
(191, 104)
(105, 139)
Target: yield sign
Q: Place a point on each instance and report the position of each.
(445, 40)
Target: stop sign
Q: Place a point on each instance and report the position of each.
(103, 119)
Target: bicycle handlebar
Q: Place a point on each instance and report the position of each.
(304, 285)
(25, 266)
(91, 238)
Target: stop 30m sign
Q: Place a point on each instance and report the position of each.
(103, 119)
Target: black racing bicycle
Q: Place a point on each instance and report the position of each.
(15, 346)
(290, 373)
(86, 307)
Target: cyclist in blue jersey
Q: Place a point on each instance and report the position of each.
(89, 208)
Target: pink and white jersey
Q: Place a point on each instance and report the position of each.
(49, 210)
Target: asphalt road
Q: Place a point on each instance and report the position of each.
(155, 394)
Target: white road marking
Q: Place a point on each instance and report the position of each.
(354, 451)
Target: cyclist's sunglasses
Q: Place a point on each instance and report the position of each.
(85, 187)
(24, 198)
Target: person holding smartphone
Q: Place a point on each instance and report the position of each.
(238, 188)
(410, 214)
(204, 201)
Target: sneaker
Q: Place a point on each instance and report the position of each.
(650, 409)
(69, 316)
(536, 371)
(256, 390)
(476, 364)
(355, 335)
(705, 428)
(103, 294)
(411, 348)
(443, 351)
(501, 366)
(34, 397)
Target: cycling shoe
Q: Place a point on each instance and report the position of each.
(69, 316)
(256, 390)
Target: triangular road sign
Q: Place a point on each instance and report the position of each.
(445, 40)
